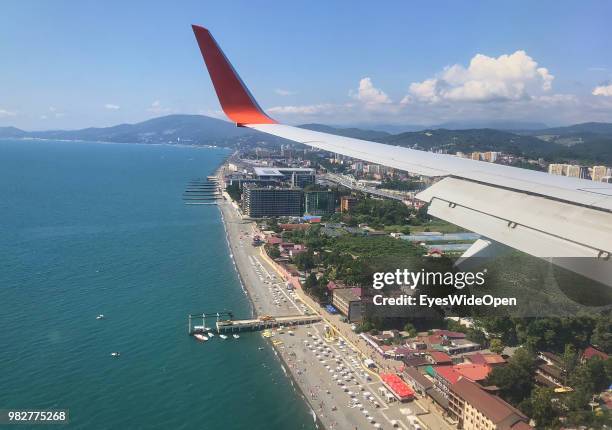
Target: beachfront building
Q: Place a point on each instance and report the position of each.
(475, 409)
(319, 202)
(261, 202)
(348, 303)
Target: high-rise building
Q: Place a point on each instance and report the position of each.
(260, 202)
(490, 156)
(297, 176)
(556, 169)
(319, 202)
(576, 171)
(347, 203)
(599, 172)
(303, 179)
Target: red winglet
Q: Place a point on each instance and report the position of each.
(235, 98)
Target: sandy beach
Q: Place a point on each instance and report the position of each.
(341, 392)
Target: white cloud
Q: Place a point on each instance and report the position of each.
(603, 90)
(111, 106)
(507, 77)
(157, 108)
(5, 112)
(369, 95)
(556, 99)
(284, 93)
(304, 109)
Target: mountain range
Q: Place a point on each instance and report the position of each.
(586, 142)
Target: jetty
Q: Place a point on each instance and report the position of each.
(224, 322)
(202, 191)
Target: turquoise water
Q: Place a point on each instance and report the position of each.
(89, 228)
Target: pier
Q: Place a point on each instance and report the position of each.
(262, 324)
(202, 192)
(223, 322)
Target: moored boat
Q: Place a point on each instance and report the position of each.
(200, 337)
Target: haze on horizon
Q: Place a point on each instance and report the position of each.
(80, 63)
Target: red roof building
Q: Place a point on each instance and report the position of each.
(439, 358)
(591, 352)
(474, 372)
(489, 359)
(397, 386)
(273, 240)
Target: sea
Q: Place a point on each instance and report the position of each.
(101, 228)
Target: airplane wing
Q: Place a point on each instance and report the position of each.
(567, 221)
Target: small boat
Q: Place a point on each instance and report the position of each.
(100, 317)
(211, 334)
(200, 337)
(236, 336)
(222, 336)
(260, 348)
(115, 354)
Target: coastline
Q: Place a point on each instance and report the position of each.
(225, 206)
(330, 400)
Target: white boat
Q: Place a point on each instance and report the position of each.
(222, 336)
(200, 337)
(115, 354)
(100, 317)
(211, 334)
(236, 336)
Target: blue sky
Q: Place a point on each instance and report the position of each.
(74, 64)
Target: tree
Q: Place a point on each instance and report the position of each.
(304, 261)
(515, 380)
(496, 346)
(477, 336)
(272, 251)
(570, 360)
(409, 328)
(310, 282)
(541, 406)
(602, 334)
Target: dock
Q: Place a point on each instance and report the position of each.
(202, 191)
(259, 324)
(223, 322)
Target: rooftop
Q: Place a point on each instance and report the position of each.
(440, 357)
(504, 415)
(347, 294)
(413, 374)
(591, 352)
(280, 171)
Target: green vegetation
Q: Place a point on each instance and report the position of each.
(396, 184)
(376, 213)
(551, 334)
(496, 346)
(234, 191)
(515, 380)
